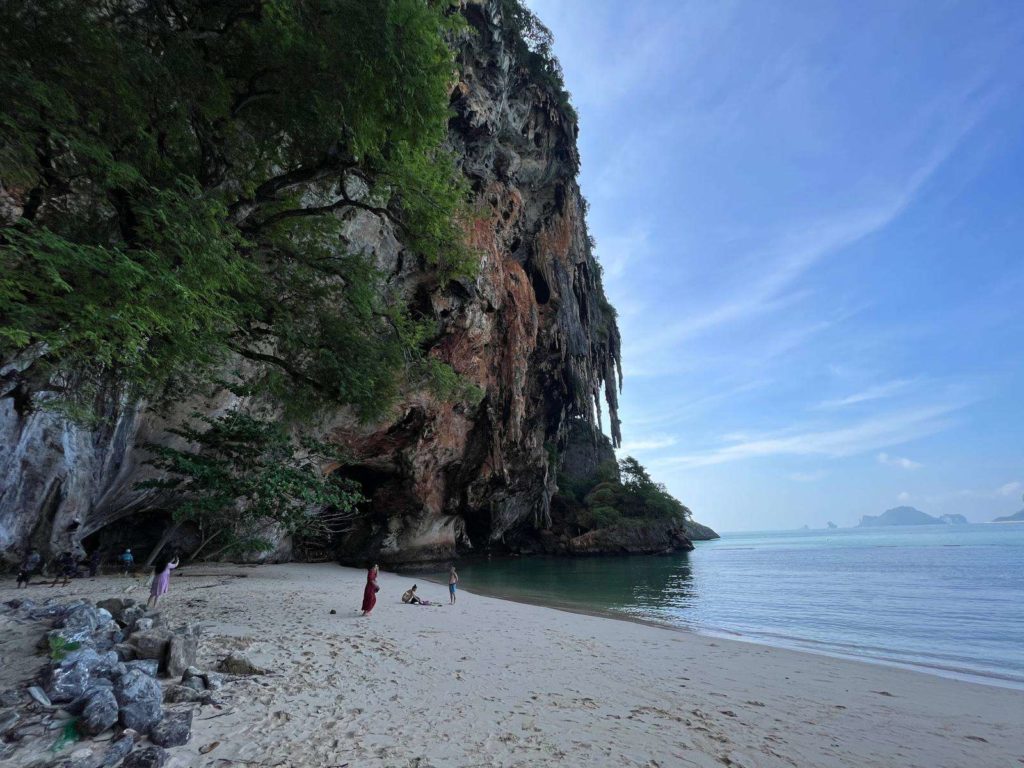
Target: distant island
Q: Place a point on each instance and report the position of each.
(1016, 517)
(908, 516)
(831, 525)
(953, 519)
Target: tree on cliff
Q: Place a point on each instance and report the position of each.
(174, 180)
(242, 474)
(622, 493)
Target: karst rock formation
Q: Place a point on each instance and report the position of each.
(533, 330)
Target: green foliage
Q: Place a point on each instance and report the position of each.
(68, 735)
(61, 647)
(240, 474)
(620, 494)
(187, 170)
(532, 45)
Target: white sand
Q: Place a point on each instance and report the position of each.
(496, 683)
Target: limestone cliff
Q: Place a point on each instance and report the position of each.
(533, 331)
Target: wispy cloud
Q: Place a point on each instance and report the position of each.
(877, 392)
(898, 461)
(1010, 489)
(615, 252)
(807, 477)
(867, 435)
(647, 444)
(766, 280)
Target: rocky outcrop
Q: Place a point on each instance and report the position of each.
(696, 532)
(647, 539)
(533, 331)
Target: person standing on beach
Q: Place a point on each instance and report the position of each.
(65, 568)
(95, 560)
(453, 580)
(127, 562)
(370, 590)
(29, 566)
(161, 580)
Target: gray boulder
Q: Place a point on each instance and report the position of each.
(181, 652)
(99, 713)
(115, 606)
(81, 617)
(148, 666)
(214, 681)
(131, 614)
(139, 697)
(68, 683)
(76, 706)
(150, 757)
(142, 625)
(238, 664)
(118, 750)
(198, 680)
(99, 664)
(125, 651)
(173, 731)
(39, 696)
(152, 644)
(193, 678)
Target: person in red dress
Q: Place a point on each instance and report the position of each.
(370, 591)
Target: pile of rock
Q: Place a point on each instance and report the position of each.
(103, 669)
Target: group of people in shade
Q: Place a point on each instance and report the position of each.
(67, 567)
(409, 597)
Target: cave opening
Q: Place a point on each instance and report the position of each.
(144, 533)
(541, 289)
(478, 528)
(385, 494)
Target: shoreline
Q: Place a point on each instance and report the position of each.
(495, 682)
(992, 679)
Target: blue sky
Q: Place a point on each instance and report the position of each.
(811, 220)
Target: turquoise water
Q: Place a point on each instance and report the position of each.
(942, 598)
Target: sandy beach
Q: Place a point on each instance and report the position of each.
(490, 682)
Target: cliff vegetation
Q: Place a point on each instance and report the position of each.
(311, 277)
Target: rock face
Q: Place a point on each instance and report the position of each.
(648, 539)
(696, 532)
(533, 331)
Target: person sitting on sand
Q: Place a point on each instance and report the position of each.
(161, 580)
(453, 580)
(370, 590)
(411, 597)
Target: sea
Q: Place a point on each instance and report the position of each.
(947, 599)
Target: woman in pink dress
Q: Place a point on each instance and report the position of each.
(370, 590)
(161, 580)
